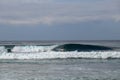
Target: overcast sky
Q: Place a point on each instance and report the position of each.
(59, 19)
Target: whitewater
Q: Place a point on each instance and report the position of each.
(55, 55)
(58, 51)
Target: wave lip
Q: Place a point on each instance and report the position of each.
(80, 47)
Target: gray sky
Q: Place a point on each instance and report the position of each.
(59, 19)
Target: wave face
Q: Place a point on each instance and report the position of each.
(57, 51)
(80, 47)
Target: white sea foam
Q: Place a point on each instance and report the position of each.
(2, 49)
(52, 55)
(33, 48)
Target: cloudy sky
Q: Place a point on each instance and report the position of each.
(59, 19)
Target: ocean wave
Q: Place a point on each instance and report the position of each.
(57, 48)
(81, 47)
(57, 51)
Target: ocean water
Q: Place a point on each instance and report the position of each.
(60, 60)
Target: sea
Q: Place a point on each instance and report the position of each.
(60, 60)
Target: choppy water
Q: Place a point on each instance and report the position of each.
(60, 69)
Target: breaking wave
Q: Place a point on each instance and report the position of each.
(33, 48)
(57, 48)
(57, 51)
